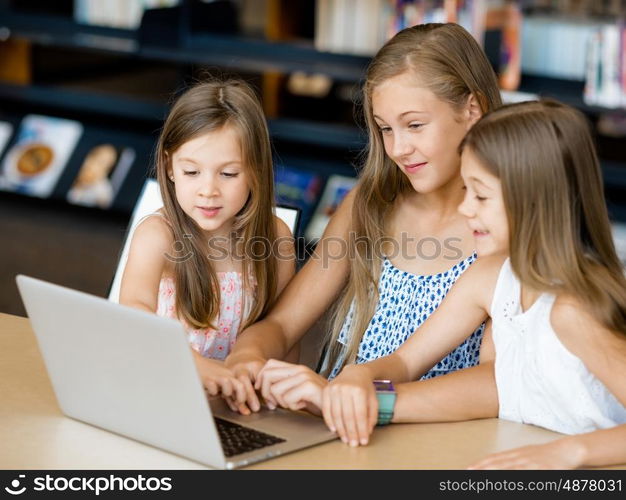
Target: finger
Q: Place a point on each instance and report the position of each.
(239, 391)
(211, 387)
(372, 418)
(278, 389)
(252, 401)
(303, 394)
(258, 380)
(336, 405)
(227, 388)
(272, 375)
(362, 418)
(231, 404)
(326, 410)
(349, 419)
(243, 408)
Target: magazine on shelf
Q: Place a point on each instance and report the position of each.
(5, 134)
(337, 187)
(297, 188)
(619, 237)
(39, 155)
(101, 175)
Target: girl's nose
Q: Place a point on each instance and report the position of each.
(209, 187)
(465, 208)
(401, 146)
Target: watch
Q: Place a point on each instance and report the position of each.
(386, 395)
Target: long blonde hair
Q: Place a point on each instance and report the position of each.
(206, 107)
(446, 60)
(560, 237)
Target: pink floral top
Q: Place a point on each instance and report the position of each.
(211, 343)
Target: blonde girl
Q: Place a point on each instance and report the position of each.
(396, 244)
(549, 278)
(208, 258)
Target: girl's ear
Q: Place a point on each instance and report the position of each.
(473, 111)
(169, 171)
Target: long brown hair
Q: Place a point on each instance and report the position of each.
(206, 107)
(559, 232)
(446, 60)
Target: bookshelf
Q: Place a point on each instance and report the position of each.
(118, 81)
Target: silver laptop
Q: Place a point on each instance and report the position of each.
(132, 373)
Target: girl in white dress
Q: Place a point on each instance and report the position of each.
(549, 278)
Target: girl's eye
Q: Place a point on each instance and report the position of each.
(230, 174)
(415, 126)
(190, 172)
(384, 130)
(480, 198)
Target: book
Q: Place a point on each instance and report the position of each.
(337, 187)
(39, 155)
(6, 129)
(297, 188)
(619, 237)
(101, 175)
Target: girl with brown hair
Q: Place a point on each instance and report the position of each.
(549, 278)
(210, 257)
(396, 244)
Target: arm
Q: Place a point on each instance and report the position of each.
(604, 447)
(604, 355)
(304, 300)
(349, 402)
(463, 395)
(146, 263)
(286, 255)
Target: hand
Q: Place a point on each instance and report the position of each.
(246, 369)
(296, 387)
(219, 380)
(559, 454)
(350, 406)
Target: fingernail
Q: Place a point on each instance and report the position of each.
(353, 443)
(363, 442)
(345, 440)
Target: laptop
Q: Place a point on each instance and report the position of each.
(132, 373)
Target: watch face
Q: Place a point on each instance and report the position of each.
(383, 385)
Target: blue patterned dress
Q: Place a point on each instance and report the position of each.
(405, 302)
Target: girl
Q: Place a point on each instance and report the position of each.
(203, 258)
(396, 244)
(549, 278)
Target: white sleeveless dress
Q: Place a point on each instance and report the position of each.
(539, 381)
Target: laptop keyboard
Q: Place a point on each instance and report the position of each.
(238, 439)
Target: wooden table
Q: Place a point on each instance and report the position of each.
(34, 434)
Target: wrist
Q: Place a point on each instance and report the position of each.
(575, 447)
(241, 357)
(386, 396)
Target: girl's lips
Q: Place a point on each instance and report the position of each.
(411, 169)
(209, 211)
(478, 234)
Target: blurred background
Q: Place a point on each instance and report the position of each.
(85, 86)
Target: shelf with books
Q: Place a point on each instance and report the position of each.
(274, 57)
(281, 129)
(226, 51)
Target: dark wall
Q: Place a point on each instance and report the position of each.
(62, 244)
